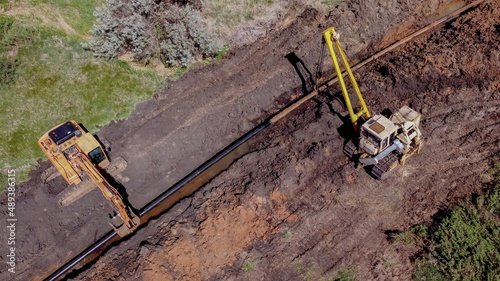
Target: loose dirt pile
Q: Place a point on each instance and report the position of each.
(294, 208)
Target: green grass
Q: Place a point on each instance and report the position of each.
(465, 243)
(346, 274)
(307, 273)
(412, 237)
(4, 5)
(77, 13)
(248, 265)
(48, 78)
(233, 12)
(405, 237)
(178, 71)
(222, 53)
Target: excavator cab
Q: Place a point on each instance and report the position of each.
(76, 153)
(377, 134)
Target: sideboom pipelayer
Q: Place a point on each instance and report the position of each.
(382, 141)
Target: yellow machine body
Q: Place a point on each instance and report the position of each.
(61, 138)
(75, 153)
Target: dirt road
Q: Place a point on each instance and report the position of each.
(294, 207)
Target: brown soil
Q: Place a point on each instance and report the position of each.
(294, 208)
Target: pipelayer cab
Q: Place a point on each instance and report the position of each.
(383, 142)
(77, 154)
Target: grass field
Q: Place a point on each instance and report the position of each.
(46, 78)
(463, 243)
(233, 12)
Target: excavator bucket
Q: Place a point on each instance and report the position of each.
(121, 227)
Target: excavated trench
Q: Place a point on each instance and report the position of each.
(294, 207)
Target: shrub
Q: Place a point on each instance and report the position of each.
(465, 243)
(467, 247)
(427, 270)
(173, 33)
(183, 36)
(121, 26)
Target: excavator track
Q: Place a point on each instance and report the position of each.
(387, 164)
(350, 149)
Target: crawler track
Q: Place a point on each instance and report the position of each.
(381, 170)
(222, 160)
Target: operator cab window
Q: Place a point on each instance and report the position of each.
(411, 130)
(97, 156)
(371, 138)
(384, 144)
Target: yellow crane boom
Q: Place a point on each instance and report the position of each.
(332, 38)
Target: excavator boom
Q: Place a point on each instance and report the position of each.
(109, 192)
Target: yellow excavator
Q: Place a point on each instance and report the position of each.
(381, 142)
(76, 153)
